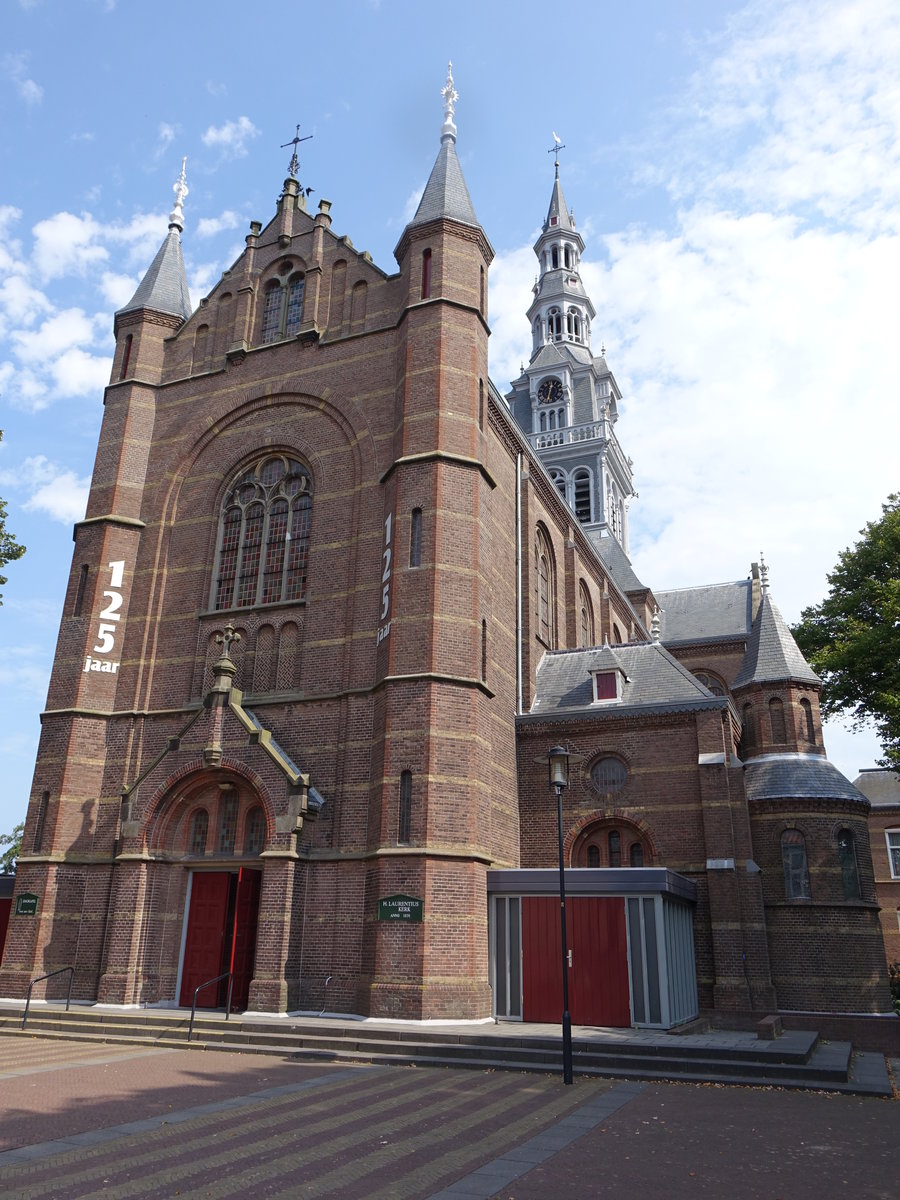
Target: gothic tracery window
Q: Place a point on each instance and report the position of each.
(545, 587)
(283, 308)
(264, 535)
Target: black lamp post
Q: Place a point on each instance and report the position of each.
(558, 762)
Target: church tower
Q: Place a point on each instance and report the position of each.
(566, 399)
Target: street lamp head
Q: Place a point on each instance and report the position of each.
(558, 763)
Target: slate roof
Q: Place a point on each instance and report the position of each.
(164, 287)
(772, 654)
(446, 194)
(652, 677)
(879, 785)
(619, 565)
(803, 776)
(716, 610)
(558, 208)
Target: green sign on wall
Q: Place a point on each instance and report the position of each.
(400, 908)
(26, 904)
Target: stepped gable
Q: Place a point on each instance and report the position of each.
(652, 678)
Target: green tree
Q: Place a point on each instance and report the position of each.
(13, 843)
(9, 547)
(852, 639)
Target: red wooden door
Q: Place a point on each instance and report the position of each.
(204, 947)
(598, 977)
(243, 946)
(598, 980)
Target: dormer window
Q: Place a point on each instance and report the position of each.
(606, 685)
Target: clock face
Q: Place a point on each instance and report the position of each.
(550, 392)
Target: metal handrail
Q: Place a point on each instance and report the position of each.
(40, 978)
(218, 979)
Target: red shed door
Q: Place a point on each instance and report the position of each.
(205, 951)
(598, 976)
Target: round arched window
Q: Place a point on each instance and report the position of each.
(608, 775)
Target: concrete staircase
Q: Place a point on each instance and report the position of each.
(797, 1059)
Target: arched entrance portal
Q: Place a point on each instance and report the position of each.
(218, 829)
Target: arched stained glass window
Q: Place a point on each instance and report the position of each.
(282, 308)
(264, 535)
(255, 831)
(545, 588)
(199, 830)
(615, 848)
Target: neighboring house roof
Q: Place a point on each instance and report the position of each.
(619, 565)
(652, 678)
(164, 287)
(715, 610)
(797, 776)
(879, 785)
(772, 654)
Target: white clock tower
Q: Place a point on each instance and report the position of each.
(566, 400)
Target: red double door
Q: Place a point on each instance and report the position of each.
(598, 974)
(221, 936)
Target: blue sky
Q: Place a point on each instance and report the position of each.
(734, 169)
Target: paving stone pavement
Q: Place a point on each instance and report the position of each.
(84, 1120)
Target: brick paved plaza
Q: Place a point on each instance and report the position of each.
(82, 1120)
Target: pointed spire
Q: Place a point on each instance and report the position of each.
(179, 187)
(446, 194)
(164, 287)
(558, 216)
(772, 654)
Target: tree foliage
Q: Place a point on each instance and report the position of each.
(9, 547)
(852, 638)
(10, 849)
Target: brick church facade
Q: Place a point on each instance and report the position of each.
(333, 598)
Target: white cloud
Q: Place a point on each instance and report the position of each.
(209, 226)
(58, 333)
(165, 135)
(15, 68)
(66, 243)
(231, 138)
(412, 203)
(117, 289)
(78, 373)
(54, 490)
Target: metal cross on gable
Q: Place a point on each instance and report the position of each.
(295, 141)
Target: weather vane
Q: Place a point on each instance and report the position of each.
(295, 141)
(558, 144)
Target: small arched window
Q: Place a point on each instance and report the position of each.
(126, 356)
(554, 323)
(776, 721)
(255, 831)
(554, 257)
(617, 634)
(199, 830)
(587, 616)
(264, 535)
(807, 729)
(796, 866)
(615, 848)
(593, 856)
(636, 854)
(283, 308)
(846, 844)
(582, 482)
(567, 257)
